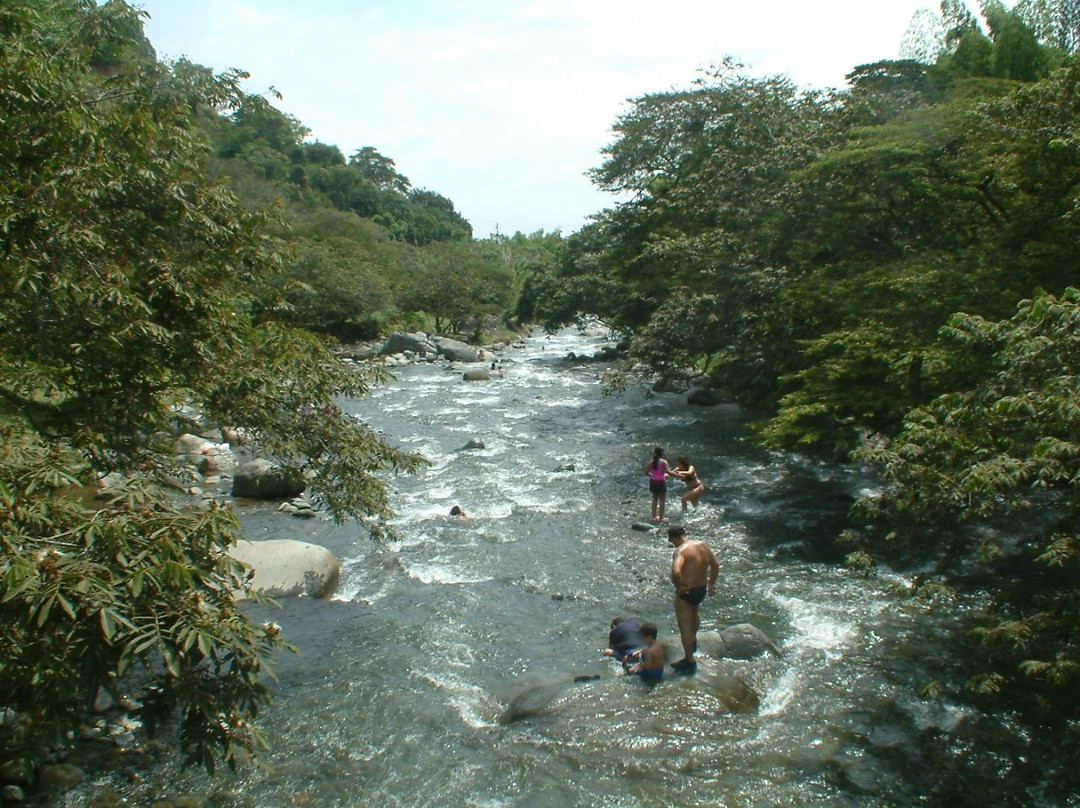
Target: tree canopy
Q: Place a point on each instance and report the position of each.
(133, 282)
(819, 255)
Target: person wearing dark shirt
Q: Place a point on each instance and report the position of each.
(624, 638)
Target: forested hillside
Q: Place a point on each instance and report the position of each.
(886, 274)
(365, 251)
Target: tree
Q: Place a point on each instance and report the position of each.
(258, 120)
(433, 218)
(1004, 451)
(378, 169)
(703, 236)
(127, 285)
(1054, 22)
(454, 282)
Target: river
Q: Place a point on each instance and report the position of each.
(395, 696)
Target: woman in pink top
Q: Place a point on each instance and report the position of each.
(658, 472)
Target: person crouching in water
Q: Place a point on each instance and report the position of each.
(686, 472)
(647, 662)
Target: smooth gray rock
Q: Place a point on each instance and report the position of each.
(401, 342)
(741, 641)
(707, 397)
(59, 777)
(285, 567)
(261, 479)
(455, 350)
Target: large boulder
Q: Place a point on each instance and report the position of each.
(741, 641)
(400, 342)
(59, 777)
(285, 567)
(261, 479)
(476, 375)
(735, 694)
(455, 350)
(193, 447)
(566, 696)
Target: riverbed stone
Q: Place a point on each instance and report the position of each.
(476, 375)
(707, 397)
(18, 771)
(59, 777)
(12, 794)
(262, 479)
(745, 641)
(735, 694)
(400, 342)
(741, 641)
(286, 567)
(455, 350)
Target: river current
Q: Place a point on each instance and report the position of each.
(396, 694)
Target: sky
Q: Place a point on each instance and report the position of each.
(503, 106)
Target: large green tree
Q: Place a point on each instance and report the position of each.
(127, 281)
(454, 283)
(1002, 455)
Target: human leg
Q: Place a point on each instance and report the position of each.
(687, 618)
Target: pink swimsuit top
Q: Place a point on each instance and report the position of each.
(657, 473)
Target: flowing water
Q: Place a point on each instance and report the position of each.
(396, 695)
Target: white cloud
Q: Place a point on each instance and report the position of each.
(503, 106)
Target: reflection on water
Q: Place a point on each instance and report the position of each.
(396, 695)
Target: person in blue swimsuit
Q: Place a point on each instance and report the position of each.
(647, 662)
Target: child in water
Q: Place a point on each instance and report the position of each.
(650, 660)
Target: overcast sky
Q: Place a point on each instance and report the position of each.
(503, 105)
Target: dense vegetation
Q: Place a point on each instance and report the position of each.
(167, 239)
(129, 283)
(888, 273)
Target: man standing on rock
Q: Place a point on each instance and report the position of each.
(692, 562)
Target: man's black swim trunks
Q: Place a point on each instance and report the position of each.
(693, 596)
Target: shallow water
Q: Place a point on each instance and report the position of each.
(396, 695)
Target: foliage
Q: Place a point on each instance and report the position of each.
(455, 282)
(134, 590)
(1008, 447)
(572, 277)
(129, 282)
(808, 250)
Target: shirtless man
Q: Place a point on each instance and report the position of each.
(691, 563)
